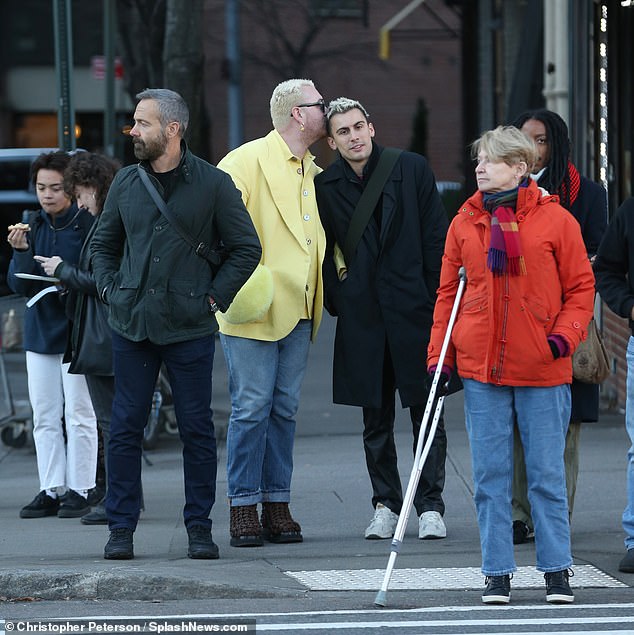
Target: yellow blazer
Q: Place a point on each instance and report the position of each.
(279, 197)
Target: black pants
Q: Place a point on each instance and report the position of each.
(380, 453)
(136, 367)
(101, 389)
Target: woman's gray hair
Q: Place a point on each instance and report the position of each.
(171, 106)
(342, 105)
(506, 144)
(285, 97)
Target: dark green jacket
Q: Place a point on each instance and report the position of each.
(155, 284)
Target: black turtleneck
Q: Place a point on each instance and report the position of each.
(362, 181)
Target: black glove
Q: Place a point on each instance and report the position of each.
(442, 389)
(554, 348)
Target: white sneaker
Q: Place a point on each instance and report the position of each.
(431, 525)
(383, 523)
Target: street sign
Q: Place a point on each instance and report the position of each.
(98, 67)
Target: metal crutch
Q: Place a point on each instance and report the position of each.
(421, 452)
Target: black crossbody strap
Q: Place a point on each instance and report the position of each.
(365, 207)
(200, 248)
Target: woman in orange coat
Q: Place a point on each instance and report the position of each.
(527, 304)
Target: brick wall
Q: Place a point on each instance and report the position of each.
(344, 61)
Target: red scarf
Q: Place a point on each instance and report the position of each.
(575, 183)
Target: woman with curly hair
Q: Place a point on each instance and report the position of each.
(88, 178)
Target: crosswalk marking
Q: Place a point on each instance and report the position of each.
(439, 578)
(623, 606)
(600, 619)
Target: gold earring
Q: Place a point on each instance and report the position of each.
(301, 127)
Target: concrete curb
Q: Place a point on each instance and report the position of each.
(103, 585)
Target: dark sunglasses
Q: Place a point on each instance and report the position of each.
(321, 103)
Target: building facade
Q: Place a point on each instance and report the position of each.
(334, 42)
(575, 58)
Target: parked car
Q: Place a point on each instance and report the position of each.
(16, 195)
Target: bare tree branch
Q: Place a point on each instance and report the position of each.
(293, 51)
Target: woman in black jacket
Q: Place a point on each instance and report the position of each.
(88, 178)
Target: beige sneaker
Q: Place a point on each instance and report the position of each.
(431, 525)
(383, 523)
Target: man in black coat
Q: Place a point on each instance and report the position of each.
(614, 273)
(384, 299)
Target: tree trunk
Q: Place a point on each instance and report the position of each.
(141, 25)
(161, 46)
(183, 62)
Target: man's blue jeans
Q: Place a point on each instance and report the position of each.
(264, 382)
(136, 367)
(542, 417)
(628, 513)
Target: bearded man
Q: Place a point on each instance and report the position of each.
(162, 298)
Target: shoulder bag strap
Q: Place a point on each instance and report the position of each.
(365, 207)
(200, 248)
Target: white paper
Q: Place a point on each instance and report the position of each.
(41, 294)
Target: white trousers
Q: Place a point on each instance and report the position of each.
(55, 393)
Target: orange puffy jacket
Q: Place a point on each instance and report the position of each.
(500, 332)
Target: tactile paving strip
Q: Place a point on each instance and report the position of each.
(441, 578)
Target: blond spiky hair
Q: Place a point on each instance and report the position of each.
(285, 96)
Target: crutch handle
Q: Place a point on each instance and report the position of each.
(442, 388)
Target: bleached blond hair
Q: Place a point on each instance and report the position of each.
(285, 97)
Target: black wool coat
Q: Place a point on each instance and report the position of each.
(388, 296)
(590, 210)
(614, 266)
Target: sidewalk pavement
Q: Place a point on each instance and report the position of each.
(54, 558)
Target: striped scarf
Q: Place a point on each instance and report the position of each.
(569, 189)
(505, 251)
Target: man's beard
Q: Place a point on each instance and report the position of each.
(152, 149)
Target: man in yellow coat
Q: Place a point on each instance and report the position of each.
(266, 347)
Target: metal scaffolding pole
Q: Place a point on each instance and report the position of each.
(109, 115)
